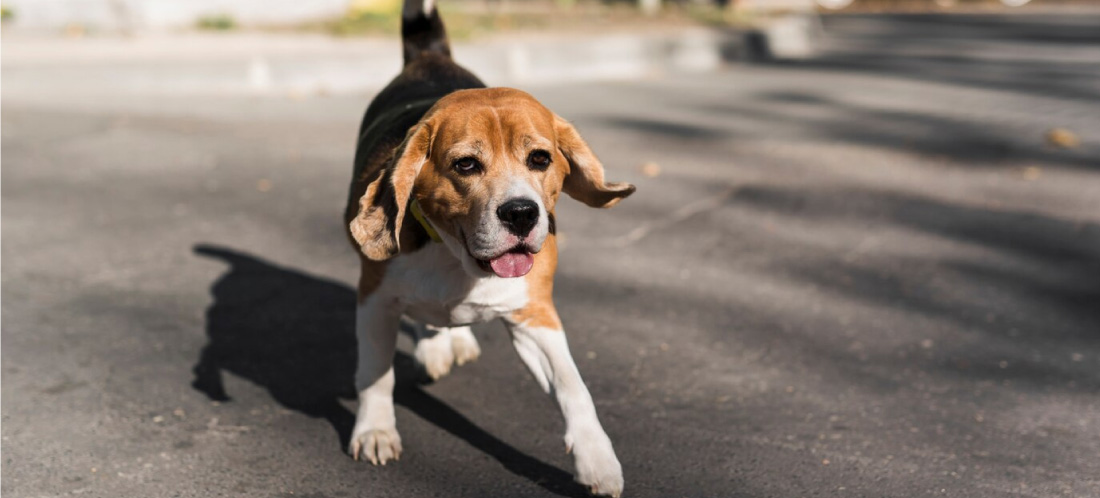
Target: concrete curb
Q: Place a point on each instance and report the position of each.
(274, 64)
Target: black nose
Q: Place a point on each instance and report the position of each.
(519, 216)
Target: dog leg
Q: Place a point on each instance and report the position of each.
(375, 436)
(546, 353)
(433, 350)
(464, 345)
(438, 348)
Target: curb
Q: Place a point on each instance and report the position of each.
(282, 64)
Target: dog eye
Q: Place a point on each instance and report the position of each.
(467, 166)
(539, 159)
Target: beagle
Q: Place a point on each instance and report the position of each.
(451, 208)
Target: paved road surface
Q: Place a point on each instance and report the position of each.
(865, 275)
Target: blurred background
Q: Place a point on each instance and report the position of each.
(863, 258)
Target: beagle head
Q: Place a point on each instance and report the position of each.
(486, 167)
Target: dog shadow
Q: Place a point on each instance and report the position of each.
(293, 334)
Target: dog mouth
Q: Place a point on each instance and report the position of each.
(516, 262)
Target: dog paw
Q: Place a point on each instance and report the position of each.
(436, 355)
(464, 346)
(598, 468)
(377, 446)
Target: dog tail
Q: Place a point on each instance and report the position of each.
(422, 30)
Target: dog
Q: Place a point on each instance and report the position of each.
(451, 209)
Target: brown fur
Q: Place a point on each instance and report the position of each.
(540, 311)
(500, 127)
(480, 163)
(377, 226)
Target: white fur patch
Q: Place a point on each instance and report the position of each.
(434, 288)
(435, 354)
(440, 348)
(375, 437)
(546, 354)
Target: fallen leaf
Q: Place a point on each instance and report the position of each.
(1061, 137)
(1031, 173)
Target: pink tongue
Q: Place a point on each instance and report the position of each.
(512, 264)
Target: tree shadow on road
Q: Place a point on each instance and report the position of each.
(818, 115)
(986, 52)
(1023, 284)
(293, 334)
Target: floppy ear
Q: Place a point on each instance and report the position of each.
(585, 182)
(377, 227)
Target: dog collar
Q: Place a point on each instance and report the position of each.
(414, 206)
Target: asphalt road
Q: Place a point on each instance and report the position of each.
(863, 275)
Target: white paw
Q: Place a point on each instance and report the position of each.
(435, 354)
(464, 345)
(596, 464)
(375, 445)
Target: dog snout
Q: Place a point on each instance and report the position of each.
(519, 216)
